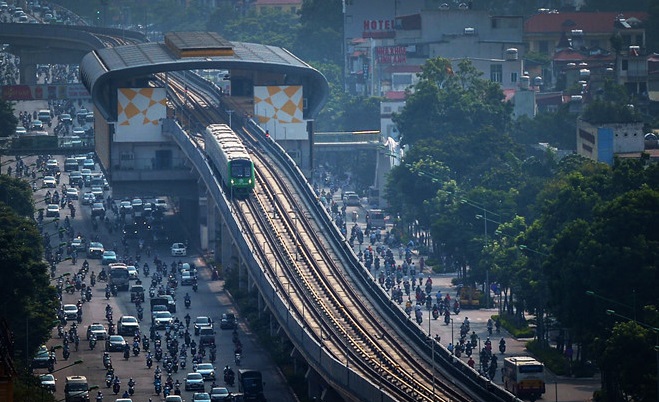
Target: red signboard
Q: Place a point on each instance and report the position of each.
(391, 54)
(378, 29)
(42, 92)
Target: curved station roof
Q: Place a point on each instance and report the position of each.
(103, 71)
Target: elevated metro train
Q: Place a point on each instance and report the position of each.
(230, 159)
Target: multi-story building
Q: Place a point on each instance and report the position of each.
(601, 142)
(390, 51)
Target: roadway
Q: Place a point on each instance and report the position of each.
(210, 300)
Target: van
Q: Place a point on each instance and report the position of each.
(76, 389)
(70, 165)
(44, 115)
(376, 219)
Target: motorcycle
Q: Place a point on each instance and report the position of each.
(149, 360)
(447, 319)
(107, 360)
(187, 303)
(502, 346)
(229, 378)
(131, 387)
(107, 294)
(108, 380)
(116, 387)
(157, 387)
(92, 343)
(136, 350)
(236, 358)
(88, 295)
(435, 313)
(127, 353)
(194, 287)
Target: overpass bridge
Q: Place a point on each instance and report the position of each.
(58, 44)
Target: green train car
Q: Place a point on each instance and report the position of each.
(230, 158)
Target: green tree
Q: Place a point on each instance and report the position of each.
(8, 119)
(320, 36)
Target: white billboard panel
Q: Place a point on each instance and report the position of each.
(140, 112)
(279, 109)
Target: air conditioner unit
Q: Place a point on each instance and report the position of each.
(511, 54)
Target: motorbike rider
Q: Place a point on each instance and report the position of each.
(99, 397)
(187, 320)
(502, 346)
(490, 324)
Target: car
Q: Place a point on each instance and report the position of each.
(187, 278)
(65, 118)
(108, 257)
(173, 398)
(52, 164)
(78, 244)
(42, 358)
(132, 272)
(201, 397)
(70, 312)
(88, 198)
(49, 182)
(219, 394)
(80, 116)
(78, 131)
(115, 343)
(127, 325)
(98, 192)
(36, 125)
(161, 204)
(86, 176)
(126, 207)
(75, 178)
(179, 250)
(98, 330)
(157, 308)
(89, 164)
(202, 322)
(206, 336)
(123, 400)
(52, 210)
(194, 381)
(161, 319)
(206, 370)
(48, 382)
(98, 209)
(350, 198)
(20, 130)
(228, 321)
(71, 193)
(95, 250)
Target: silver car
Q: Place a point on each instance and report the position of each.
(206, 370)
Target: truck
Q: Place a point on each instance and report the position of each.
(250, 383)
(76, 389)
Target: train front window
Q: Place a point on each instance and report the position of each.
(241, 169)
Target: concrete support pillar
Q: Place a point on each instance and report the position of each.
(212, 225)
(226, 247)
(28, 73)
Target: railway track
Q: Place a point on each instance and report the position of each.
(308, 274)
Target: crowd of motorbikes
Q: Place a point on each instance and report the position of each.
(170, 348)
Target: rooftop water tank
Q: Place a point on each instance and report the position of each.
(511, 54)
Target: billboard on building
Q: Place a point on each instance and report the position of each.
(279, 109)
(140, 112)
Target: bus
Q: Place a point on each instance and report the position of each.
(524, 377)
(250, 383)
(119, 275)
(376, 219)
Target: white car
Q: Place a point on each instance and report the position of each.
(179, 249)
(127, 325)
(52, 164)
(70, 312)
(71, 193)
(132, 272)
(49, 181)
(20, 130)
(52, 210)
(162, 319)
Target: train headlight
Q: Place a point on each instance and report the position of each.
(232, 181)
(249, 181)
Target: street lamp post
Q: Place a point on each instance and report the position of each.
(452, 331)
(631, 308)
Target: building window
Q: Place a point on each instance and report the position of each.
(625, 65)
(496, 72)
(513, 77)
(543, 47)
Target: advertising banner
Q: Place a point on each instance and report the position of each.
(279, 109)
(42, 92)
(140, 112)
